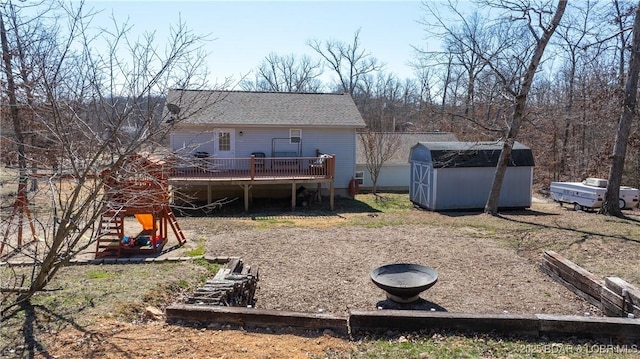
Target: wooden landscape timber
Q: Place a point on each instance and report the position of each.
(234, 285)
(614, 296)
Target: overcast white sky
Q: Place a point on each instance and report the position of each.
(244, 32)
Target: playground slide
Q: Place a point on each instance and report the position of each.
(146, 220)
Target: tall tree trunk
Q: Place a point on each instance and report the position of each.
(610, 205)
(518, 113)
(13, 101)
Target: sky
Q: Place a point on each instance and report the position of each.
(243, 33)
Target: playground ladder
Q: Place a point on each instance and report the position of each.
(168, 213)
(111, 233)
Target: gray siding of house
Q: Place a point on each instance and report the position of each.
(392, 177)
(187, 142)
(339, 142)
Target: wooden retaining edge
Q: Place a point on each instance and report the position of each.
(535, 325)
(551, 273)
(621, 297)
(256, 318)
(613, 296)
(363, 322)
(570, 272)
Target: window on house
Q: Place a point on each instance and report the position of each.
(359, 177)
(224, 141)
(295, 135)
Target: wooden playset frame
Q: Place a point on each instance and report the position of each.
(138, 188)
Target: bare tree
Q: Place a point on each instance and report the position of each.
(350, 62)
(506, 61)
(286, 74)
(378, 148)
(479, 38)
(611, 205)
(470, 43)
(99, 107)
(573, 41)
(533, 17)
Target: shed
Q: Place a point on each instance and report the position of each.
(458, 175)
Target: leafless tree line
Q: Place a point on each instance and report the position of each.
(573, 105)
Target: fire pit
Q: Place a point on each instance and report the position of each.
(404, 282)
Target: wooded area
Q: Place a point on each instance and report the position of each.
(573, 106)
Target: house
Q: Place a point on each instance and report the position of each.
(394, 174)
(262, 144)
(459, 175)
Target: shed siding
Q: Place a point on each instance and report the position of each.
(469, 188)
(466, 187)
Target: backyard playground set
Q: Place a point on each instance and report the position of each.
(137, 188)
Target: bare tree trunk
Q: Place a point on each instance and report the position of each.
(611, 205)
(13, 103)
(521, 99)
(568, 116)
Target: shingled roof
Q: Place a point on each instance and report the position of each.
(240, 108)
(407, 140)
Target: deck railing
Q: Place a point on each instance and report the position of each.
(255, 168)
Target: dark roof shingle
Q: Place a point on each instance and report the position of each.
(475, 154)
(238, 108)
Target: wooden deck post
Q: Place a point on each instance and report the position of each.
(293, 196)
(331, 194)
(246, 197)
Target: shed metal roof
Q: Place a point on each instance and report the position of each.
(475, 154)
(241, 108)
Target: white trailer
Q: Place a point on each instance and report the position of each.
(590, 193)
(629, 197)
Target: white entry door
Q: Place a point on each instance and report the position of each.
(224, 147)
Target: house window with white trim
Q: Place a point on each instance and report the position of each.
(224, 141)
(295, 135)
(359, 176)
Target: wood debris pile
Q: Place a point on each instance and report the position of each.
(233, 286)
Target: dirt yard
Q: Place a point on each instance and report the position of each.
(327, 269)
(322, 264)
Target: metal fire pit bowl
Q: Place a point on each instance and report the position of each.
(404, 282)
